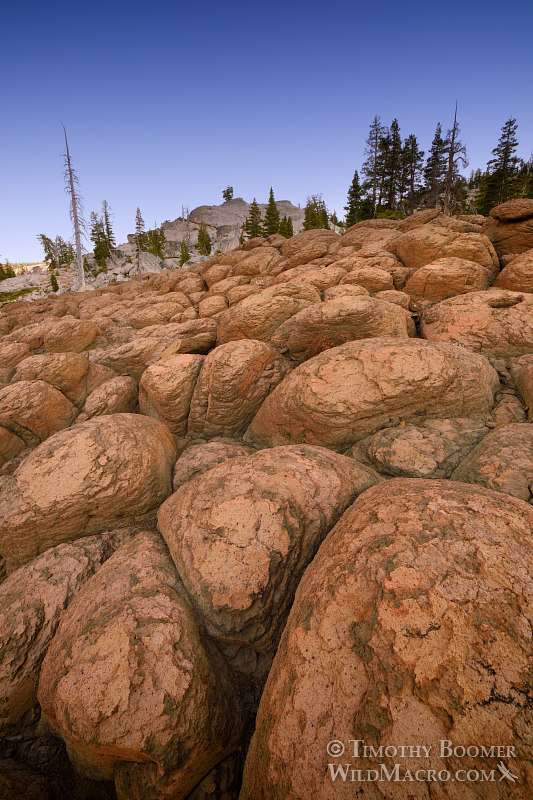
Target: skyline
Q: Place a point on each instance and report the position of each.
(167, 110)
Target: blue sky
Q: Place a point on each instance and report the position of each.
(165, 104)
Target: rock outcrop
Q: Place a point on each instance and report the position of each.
(351, 391)
(130, 685)
(103, 472)
(242, 534)
(331, 434)
(410, 625)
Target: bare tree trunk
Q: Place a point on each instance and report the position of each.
(75, 216)
(449, 173)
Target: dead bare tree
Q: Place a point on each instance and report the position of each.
(456, 153)
(76, 210)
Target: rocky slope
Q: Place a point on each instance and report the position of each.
(270, 500)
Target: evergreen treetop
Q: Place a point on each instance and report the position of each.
(254, 223)
(271, 223)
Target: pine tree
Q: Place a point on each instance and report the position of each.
(184, 253)
(254, 223)
(271, 224)
(371, 167)
(140, 237)
(99, 239)
(155, 241)
(204, 240)
(435, 168)
(392, 165)
(285, 227)
(412, 161)
(53, 282)
(354, 201)
(501, 181)
(227, 194)
(106, 215)
(316, 214)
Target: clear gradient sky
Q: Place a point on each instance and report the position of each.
(167, 103)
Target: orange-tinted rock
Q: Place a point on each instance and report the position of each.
(258, 316)
(10, 445)
(134, 357)
(344, 394)
(502, 461)
(517, 275)
(259, 262)
(326, 325)
(345, 290)
(371, 278)
(495, 322)
(32, 600)
(166, 388)
(447, 277)
(321, 277)
(210, 306)
(510, 238)
(308, 245)
(522, 372)
(129, 684)
(199, 458)
(66, 371)
(430, 450)
(104, 472)
(412, 624)
(11, 353)
(34, 410)
(513, 210)
(116, 396)
(235, 379)
(242, 534)
(420, 246)
(393, 296)
(71, 334)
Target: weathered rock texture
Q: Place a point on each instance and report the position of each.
(166, 388)
(349, 392)
(496, 322)
(502, 461)
(242, 534)
(34, 410)
(234, 381)
(334, 322)
(522, 372)
(412, 624)
(199, 458)
(32, 601)
(129, 684)
(105, 471)
(430, 450)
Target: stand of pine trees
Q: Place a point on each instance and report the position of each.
(395, 180)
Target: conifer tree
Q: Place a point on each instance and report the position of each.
(227, 194)
(204, 240)
(99, 239)
(140, 237)
(501, 181)
(285, 227)
(371, 167)
(254, 223)
(392, 164)
(435, 168)
(106, 216)
(53, 282)
(355, 193)
(271, 223)
(184, 253)
(155, 241)
(316, 214)
(412, 161)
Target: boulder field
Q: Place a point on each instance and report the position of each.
(269, 502)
